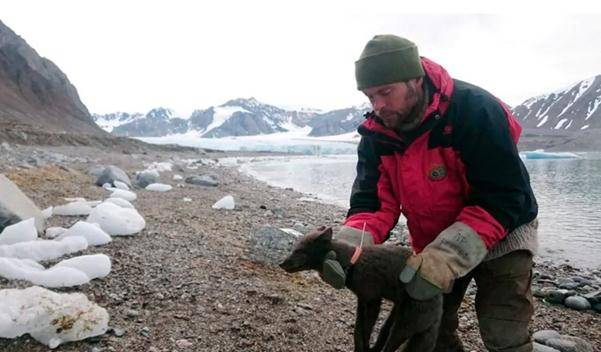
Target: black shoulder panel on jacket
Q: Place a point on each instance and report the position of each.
(364, 194)
(476, 125)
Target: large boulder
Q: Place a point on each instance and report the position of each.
(270, 245)
(111, 174)
(16, 206)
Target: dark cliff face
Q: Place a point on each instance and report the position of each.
(34, 92)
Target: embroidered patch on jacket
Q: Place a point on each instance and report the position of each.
(437, 172)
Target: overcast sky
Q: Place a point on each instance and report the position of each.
(133, 56)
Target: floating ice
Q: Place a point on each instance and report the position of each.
(76, 208)
(120, 202)
(158, 187)
(116, 220)
(50, 318)
(123, 194)
(226, 202)
(121, 185)
(43, 249)
(541, 154)
(91, 232)
(22, 231)
(178, 177)
(67, 273)
(53, 232)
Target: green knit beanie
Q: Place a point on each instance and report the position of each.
(387, 59)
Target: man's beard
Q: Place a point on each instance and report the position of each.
(410, 120)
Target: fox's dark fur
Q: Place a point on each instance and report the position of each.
(375, 276)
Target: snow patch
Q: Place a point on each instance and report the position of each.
(222, 114)
(543, 121)
(559, 124)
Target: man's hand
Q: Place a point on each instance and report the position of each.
(454, 253)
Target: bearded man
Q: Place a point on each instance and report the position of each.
(443, 153)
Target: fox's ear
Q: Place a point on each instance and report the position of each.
(326, 235)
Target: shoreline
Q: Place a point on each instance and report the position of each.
(187, 275)
(545, 257)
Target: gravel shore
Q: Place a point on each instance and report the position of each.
(186, 283)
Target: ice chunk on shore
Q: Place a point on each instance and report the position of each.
(158, 187)
(76, 208)
(116, 220)
(91, 232)
(67, 273)
(123, 194)
(43, 249)
(120, 202)
(47, 213)
(121, 185)
(226, 202)
(53, 232)
(160, 166)
(94, 266)
(50, 318)
(22, 231)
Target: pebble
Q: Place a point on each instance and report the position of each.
(556, 296)
(542, 348)
(563, 345)
(118, 332)
(593, 297)
(145, 331)
(577, 302)
(183, 343)
(543, 335)
(132, 313)
(567, 284)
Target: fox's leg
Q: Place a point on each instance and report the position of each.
(367, 314)
(385, 330)
(424, 341)
(397, 333)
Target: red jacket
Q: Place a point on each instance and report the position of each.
(460, 164)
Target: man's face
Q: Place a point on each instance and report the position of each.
(396, 103)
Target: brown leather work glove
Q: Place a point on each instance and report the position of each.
(454, 253)
(353, 236)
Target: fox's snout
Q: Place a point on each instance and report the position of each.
(294, 262)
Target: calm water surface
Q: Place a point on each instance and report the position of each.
(568, 192)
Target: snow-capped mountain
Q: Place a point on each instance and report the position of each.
(157, 122)
(109, 121)
(338, 121)
(237, 117)
(577, 107)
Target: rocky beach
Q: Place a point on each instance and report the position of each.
(204, 279)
